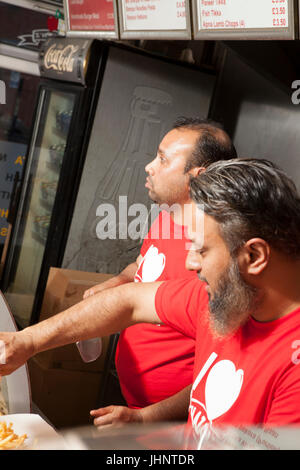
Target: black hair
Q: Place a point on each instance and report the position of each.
(213, 144)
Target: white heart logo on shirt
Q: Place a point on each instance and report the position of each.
(153, 265)
(223, 386)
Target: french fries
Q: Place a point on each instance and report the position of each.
(8, 439)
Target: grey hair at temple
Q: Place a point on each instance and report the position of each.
(251, 198)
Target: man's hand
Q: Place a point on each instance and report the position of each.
(15, 350)
(174, 408)
(116, 415)
(94, 290)
(127, 275)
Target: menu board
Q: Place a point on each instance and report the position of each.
(95, 18)
(154, 19)
(243, 19)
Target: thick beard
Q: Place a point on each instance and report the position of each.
(232, 302)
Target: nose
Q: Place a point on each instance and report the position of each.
(149, 168)
(192, 262)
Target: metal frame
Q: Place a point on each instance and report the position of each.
(91, 34)
(17, 384)
(240, 34)
(40, 7)
(18, 59)
(84, 111)
(153, 34)
(30, 151)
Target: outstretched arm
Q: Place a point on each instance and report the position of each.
(103, 314)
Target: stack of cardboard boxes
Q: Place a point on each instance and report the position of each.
(63, 386)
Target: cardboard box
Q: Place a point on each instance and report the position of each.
(65, 397)
(65, 288)
(63, 386)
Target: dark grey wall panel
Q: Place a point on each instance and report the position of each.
(260, 115)
(140, 98)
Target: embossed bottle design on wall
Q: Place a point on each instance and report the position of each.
(124, 181)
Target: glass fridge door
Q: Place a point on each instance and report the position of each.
(42, 174)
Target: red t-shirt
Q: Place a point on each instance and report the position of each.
(154, 362)
(250, 378)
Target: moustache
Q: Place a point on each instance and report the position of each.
(201, 278)
(149, 179)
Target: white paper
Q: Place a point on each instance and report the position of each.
(154, 15)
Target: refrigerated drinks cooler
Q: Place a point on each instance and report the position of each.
(54, 161)
(98, 123)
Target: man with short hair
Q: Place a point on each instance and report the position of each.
(155, 362)
(246, 372)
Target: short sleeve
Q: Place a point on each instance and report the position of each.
(179, 303)
(285, 408)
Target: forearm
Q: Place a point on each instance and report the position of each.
(127, 275)
(174, 408)
(105, 313)
(99, 315)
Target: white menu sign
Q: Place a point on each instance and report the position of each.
(223, 14)
(247, 15)
(154, 15)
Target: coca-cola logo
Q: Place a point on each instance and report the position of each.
(61, 60)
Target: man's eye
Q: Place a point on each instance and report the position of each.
(194, 248)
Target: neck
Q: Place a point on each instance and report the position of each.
(282, 295)
(177, 213)
(183, 213)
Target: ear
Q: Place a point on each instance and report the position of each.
(197, 170)
(254, 256)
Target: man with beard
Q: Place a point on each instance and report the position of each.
(245, 370)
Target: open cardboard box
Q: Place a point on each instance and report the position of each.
(64, 387)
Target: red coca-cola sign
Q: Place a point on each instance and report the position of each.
(91, 15)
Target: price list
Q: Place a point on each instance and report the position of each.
(154, 15)
(91, 15)
(242, 14)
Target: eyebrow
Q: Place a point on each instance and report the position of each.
(161, 152)
(197, 245)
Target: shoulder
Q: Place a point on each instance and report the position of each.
(182, 298)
